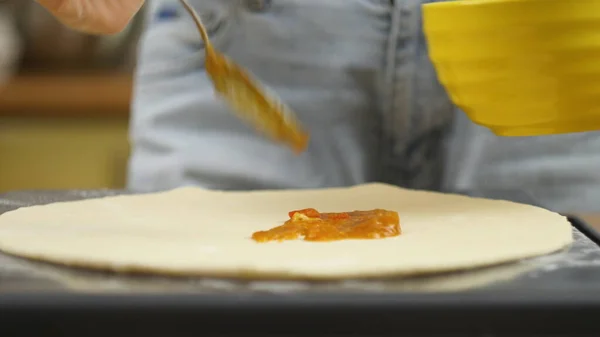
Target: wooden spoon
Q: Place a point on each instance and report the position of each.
(246, 97)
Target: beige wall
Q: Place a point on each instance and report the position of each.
(60, 153)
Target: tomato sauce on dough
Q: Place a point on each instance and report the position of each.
(311, 225)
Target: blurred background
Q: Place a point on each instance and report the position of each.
(64, 102)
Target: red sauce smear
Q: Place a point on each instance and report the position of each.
(311, 225)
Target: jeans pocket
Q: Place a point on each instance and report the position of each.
(172, 45)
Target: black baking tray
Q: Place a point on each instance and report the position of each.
(555, 295)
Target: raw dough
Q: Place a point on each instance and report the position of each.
(190, 231)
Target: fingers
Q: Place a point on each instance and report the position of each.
(94, 16)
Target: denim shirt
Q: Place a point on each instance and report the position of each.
(417, 111)
(358, 75)
(369, 51)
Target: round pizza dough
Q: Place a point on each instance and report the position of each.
(190, 231)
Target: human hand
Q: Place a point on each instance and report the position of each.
(94, 16)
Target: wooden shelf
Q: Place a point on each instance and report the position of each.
(49, 95)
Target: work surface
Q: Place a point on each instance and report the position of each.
(540, 296)
(577, 267)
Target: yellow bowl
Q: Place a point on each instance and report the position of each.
(519, 67)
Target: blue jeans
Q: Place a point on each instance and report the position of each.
(357, 74)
